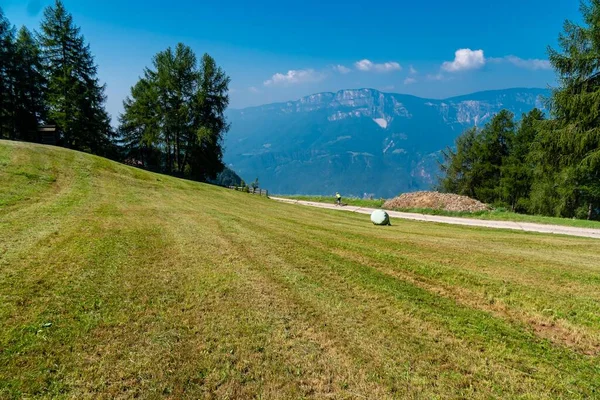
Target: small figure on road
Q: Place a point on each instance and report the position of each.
(338, 198)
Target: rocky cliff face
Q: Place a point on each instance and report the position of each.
(358, 141)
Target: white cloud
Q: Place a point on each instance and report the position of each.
(341, 69)
(410, 81)
(465, 59)
(368, 65)
(532, 63)
(363, 65)
(412, 70)
(294, 76)
(253, 89)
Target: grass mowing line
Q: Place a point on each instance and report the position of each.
(435, 242)
(301, 322)
(249, 302)
(568, 333)
(470, 322)
(251, 271)
(295, 280)
(497, 289)
(560, 332)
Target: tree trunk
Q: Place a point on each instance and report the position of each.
(177, 161)
(590, 211)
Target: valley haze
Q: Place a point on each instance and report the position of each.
(359, 141)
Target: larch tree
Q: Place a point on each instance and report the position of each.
(139, 127)
(177, 109)
(567, 152)
(492, 150)
(209, 122)
(75, 96)
(458, 165)
(7, 71)
(517, 168)
(29, 86)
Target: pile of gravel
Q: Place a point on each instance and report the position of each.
(436, 201)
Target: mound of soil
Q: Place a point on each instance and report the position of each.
(436, 201)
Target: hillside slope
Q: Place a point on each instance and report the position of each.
(120, 283)
(358, 141)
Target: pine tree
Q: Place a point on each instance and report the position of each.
(29, 86)
(476, 167)
(517, 168)
(567, 151)
(209, 120)
(75, 97)
(176, 80)
(458, 165)
(7, 70)
(139, 125)
(491, 152)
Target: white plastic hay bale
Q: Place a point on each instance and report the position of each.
(380, 217)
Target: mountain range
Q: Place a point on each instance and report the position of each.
(360, 141)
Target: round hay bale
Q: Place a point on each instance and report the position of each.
(380, 217)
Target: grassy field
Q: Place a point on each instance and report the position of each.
(495, 215)
(119, 283)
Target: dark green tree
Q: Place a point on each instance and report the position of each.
(491, 151)
(517, 168)
(29, 86)
(458, 165)
(139, 127)
(475, 168)
(227, 178)
(75, 97)
(178, 107)
(7, 70)
(209, 121)
(255, 185)
(567, 151)
(175, 78)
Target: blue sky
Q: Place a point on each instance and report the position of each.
(278, 51)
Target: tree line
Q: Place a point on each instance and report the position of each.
(546, 166)
(173, 121)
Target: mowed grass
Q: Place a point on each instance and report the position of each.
(119, 283)
(494, 215)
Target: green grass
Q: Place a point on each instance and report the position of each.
(498, 215)
(120, 283)
(495, 215)
(352, 201)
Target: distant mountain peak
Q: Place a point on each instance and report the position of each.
(361, 140)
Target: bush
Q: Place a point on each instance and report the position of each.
(581, 212)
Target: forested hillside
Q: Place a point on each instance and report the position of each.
(172, 122)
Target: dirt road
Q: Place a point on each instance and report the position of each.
(520, 226)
